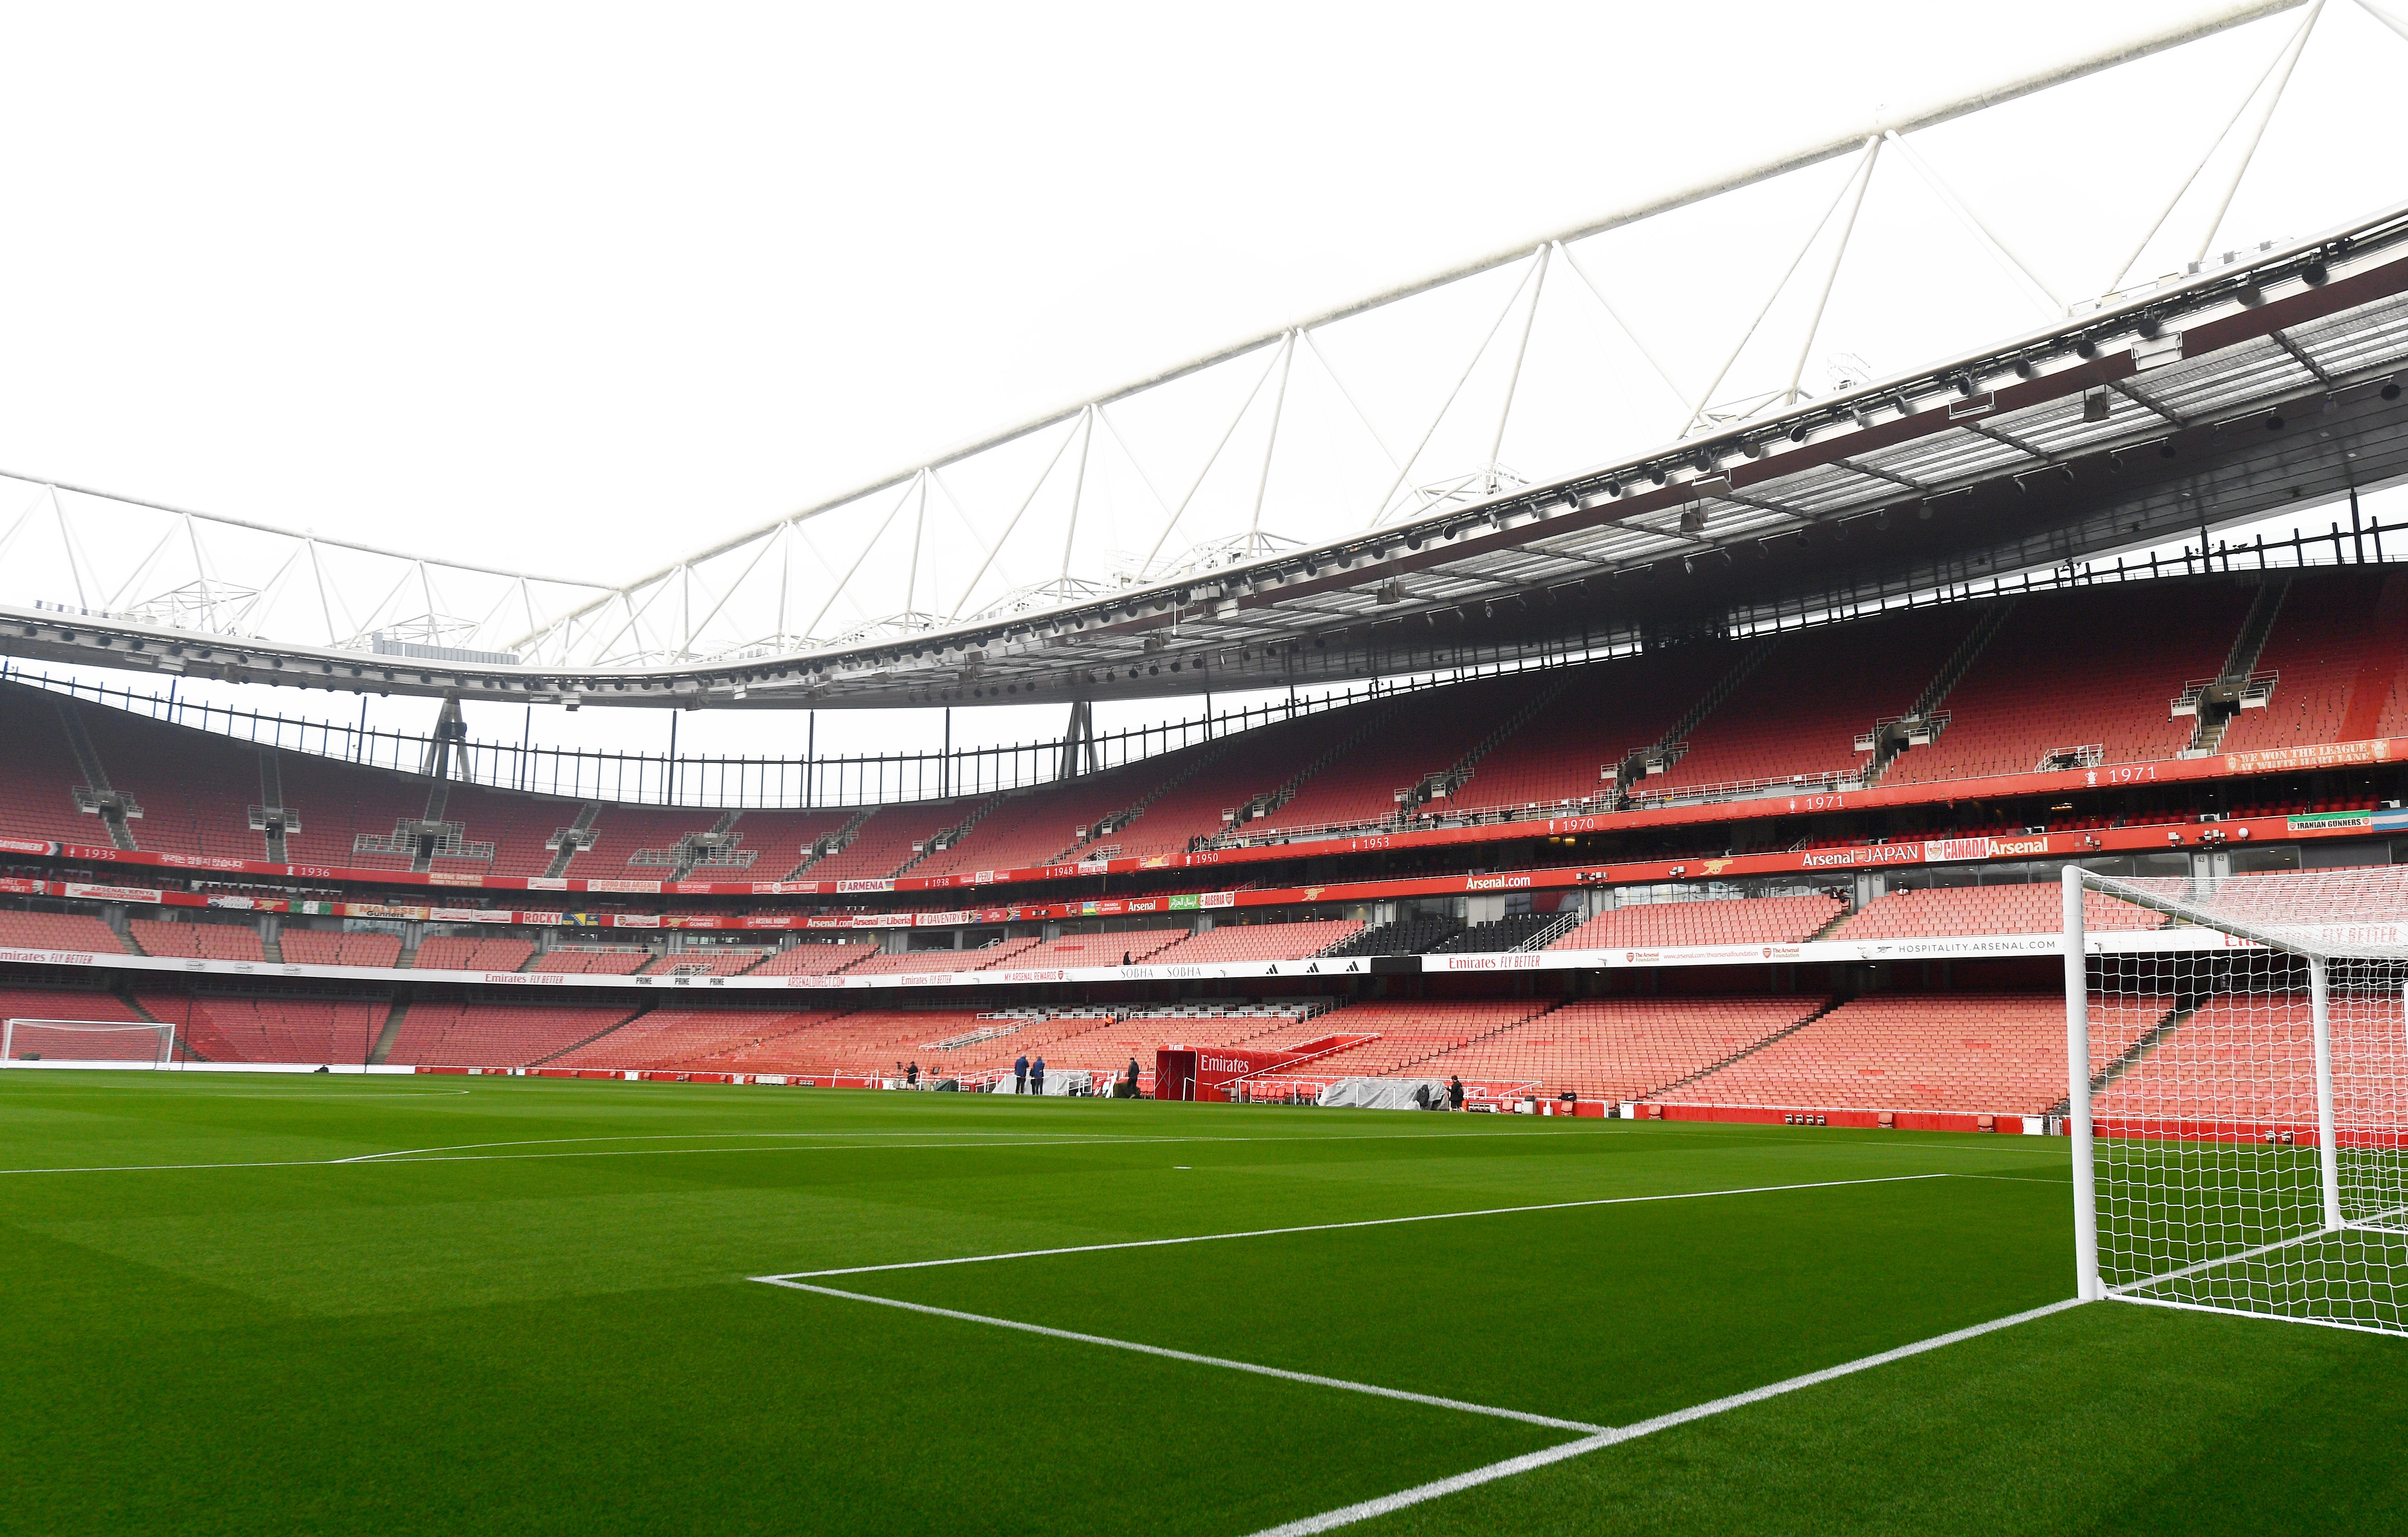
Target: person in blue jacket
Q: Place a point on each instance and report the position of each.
(1019, 1074)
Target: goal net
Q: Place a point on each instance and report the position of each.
(24, 1041)
(2238, 1142)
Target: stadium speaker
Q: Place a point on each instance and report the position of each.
(2250, 295)
(2315, 273)
(2273, 422)
(2390, 390)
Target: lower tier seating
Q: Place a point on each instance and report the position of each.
(1619, 1049)
(472, 953)
(2000, 1052)
(220, 1029)
(495, 1035)
(197, 941)
(332, 947)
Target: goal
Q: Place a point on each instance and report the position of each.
(2237, 1093)
(24, 1041)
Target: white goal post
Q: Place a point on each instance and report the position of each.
(116, 1043)
(2237, 1093)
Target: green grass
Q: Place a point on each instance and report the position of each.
(557, 1334)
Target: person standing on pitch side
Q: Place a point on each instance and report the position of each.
(1454, 1093)
(1037, 1076)
(1019, 1074)
(1128, 1083)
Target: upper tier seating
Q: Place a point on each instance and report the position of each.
(1028, 828)
(337, 803)
(1799, 711)
(812, 958)
(195, 800)
(592, 960)
(1259, 942)
(1101, 949)
(1008, 953)
(1609, 711)
(515, 824)
(2043, 684)
(198, 940)
(884, 843)
(1621, 1048)
(475, 1034)
(1756, 920)
(59, 931)
(2033, 908)
(620, 831)
(331, 1031)
(784, 840)
(38, 774)
(1418, 735)
(1971, 1051)
(332, 947)
(2325, 650)
(472, 953)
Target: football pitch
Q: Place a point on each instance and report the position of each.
(245, 1304)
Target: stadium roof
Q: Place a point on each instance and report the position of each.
(2263, 381)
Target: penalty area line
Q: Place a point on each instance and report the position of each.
(1189, 1356)
(1340, 1227)
(1369, 1509)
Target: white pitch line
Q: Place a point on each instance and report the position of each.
(1335, 1227)
(1384, 1504)
(1372, 1388)
(397, 1160)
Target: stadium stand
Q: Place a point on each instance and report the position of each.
(474, 1033)
(812, 958)
(1799, 711)
(1410, 1032)
(339, 803)
(1031, 827)
(2038, 689)
(332, 947)
(1757, 920)
(1621, 1049)
(1416, 936)
(72, 1003)
(223, 1028)
(684, 1038)
(38, 774)
(1971, 1051)
(781, 840)
(473, 953)
(1008, 953)
(2326, 645)
(59, 931)
(1608, 712)
(718, 960)
(196, 799)
(866, 1042)
(619, 832)
(592, 960)
(1115, 1038)
(515, 824)
(1259, 941)
(197, 941)
(1417, 736)
(1137, 944)
(2245, 1064)
(2035, 908)
(884, 843)
(1511, 932)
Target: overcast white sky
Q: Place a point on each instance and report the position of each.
(580, 288)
